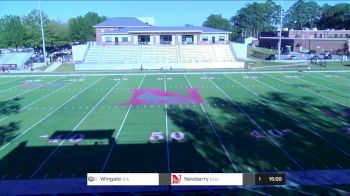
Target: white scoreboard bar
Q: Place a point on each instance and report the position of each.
(206, 179)
(123, 179)
(184, 179)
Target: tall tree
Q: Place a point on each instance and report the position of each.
(12, 32)
(335, 17)
(56, 33)
(303, 14)
(81, 28)
(33, 28)
(217, 22)
(257, 17)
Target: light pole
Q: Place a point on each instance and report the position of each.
(42, 32)
(280, 34)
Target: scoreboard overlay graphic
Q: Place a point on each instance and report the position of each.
(184, 179)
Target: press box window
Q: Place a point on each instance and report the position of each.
(108, 39)
(124, 39)
(221, 38)
(205, 38)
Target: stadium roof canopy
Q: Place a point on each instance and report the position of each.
(149, 29)
(122, 22)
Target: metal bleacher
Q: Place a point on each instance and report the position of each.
(157, 56)
(15, 58)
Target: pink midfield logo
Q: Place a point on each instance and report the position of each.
(162, 97)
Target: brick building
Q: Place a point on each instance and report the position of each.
(308, 39)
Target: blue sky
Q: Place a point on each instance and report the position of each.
(166, 13)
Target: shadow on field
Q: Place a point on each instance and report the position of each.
(7, 132)
(250, 152)
(7, 108)
(201, 151)
(76, 157)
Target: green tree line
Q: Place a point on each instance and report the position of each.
(250, 20)
(16, 31)
(257, 17)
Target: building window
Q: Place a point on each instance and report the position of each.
(102, 30)
(205, 38)
(347, 35)
(124, 39)
(144, 39)
(315, 36)
(108, 39)
(221, 38)
(165, 39)
(187, 39)
(336, 35)
(341, 35)
(321, 35)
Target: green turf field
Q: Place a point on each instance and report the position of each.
(66, 126)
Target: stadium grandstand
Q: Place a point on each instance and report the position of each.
(129, 43)
(14, 60)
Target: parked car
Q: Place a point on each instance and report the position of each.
(312, 52)
(304, 51)
(272, 57)
(327, 56)
(292, 57)
(285, 52)
(315, 57)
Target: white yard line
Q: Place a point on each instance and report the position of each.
(167, 129)
(337, 83)
(74, 129)
(10, 81)
(299, 191)
(116, 137)
(25, 92)
(323, 86)
(302, 125)
(330, 99)
(345, 77)
(257, 125)
(299, 100)
(40, 99)
(215, 131)
(48, 115)
(11, 87)
(336, 189)
(256, 191)
(175, 73)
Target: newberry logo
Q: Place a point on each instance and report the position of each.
(175, 179)
(162, 97)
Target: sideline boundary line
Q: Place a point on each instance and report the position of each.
(300, 124)
(48, 115)
(119, 131)
(215, 132)
(176, 73)
(257, 125)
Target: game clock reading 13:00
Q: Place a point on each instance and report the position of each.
(270, 179)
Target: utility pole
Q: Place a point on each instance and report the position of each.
(42, 32)
(280, 34)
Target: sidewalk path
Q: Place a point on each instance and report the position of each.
(53, 67)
